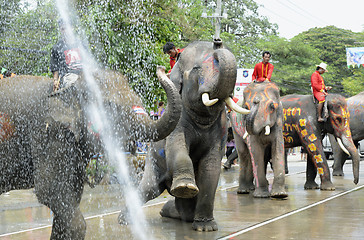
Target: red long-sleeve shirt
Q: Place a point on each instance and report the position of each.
(173, 60)
(262, 71)
(318, 86)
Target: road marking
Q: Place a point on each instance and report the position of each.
(230, 236)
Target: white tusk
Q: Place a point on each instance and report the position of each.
(342, 146)
(206, 100)
(245, 135)
(230, 102)
(267, 130)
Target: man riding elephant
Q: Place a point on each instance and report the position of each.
(302, 128)
(48, 141)
(319, 89)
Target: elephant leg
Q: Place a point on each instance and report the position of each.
(339, 157)
(151, 186)
(246, 177)
(278, 188)
(257, 159)
(180, 164)
(311, 173)
(207, 180)
(170, 210)
(285, 161)
(59, 180)
(68, 223)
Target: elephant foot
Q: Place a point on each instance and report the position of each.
(184, 188)
(311, 185)
(337, 172)
(245, 190)
(327, 186)
(261, 192)
(278, 192)
(169, 210)
(204, 225)
(226, 165)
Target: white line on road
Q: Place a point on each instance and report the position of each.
(288, 214)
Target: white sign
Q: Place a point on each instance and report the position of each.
(243, 78)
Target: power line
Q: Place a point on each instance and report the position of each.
(303, 10)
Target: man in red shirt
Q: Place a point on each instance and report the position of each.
(263, 70)
(170, 49)
(319, 89)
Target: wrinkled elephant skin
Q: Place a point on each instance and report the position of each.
(301, 128)
(48, 140)
(188, 163)
(259, 139)
(356, 111)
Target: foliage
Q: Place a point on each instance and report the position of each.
(28, 39)
(331, 43)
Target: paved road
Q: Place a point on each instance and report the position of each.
(304, 214)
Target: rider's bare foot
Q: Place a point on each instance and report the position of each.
(320, 119)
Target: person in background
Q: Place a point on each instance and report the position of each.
(263, 70)
(6, 73)
(65, 63)
(160, 109)
(173, 52)
(319, 89)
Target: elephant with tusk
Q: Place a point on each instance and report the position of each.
(301, 128)
(188, 162)
(259, 139)
(48, 140)
(356, 111)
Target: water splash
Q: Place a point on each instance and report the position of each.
(97, 114)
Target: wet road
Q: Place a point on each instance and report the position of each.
(312, 214)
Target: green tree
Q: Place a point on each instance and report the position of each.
(25, 46)
(330, 43)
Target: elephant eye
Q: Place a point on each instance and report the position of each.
(339, 120)
(271, 105)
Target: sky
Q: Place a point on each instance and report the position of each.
(296, 16)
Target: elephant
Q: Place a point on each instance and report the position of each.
(356, 111)
(47, 137)
(301, 128)
(259, 139)
(188, 162)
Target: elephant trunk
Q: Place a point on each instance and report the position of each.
(250, 119)
(148, 129)
(352, 151)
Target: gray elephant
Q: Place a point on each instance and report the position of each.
(259, 139)
(46, 139)
(301, 128)
(356, 111)
(188, 162)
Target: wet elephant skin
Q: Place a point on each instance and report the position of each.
(48, 140)
(188, 162)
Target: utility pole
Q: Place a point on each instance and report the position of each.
(217, 18)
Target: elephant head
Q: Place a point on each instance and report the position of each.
(301, 128)
(264, 102)
(356, 109)
(205, 75)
